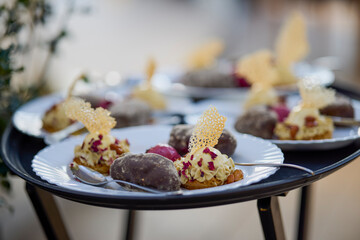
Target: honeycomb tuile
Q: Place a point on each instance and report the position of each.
(150, 70)
(206, 55)
(292, 44)
(95, 120)
(207, 131)
(258, 68)
(314, 95)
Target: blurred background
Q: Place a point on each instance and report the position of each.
(120, 36)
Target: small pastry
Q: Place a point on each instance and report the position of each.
(291, 47)
(180, 137)
(131, 112)
(305, 121)
(99, 148)
(204, 166)
(259, 70)
(202, 69)
(341, 107)
(147, 93)
(146, 169)
(55, 118)
(258, 121)
(208, 78)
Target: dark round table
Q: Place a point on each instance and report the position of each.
(19, 149)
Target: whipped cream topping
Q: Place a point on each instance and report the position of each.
(204, 164)
(100, 149)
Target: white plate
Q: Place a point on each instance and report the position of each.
(342, 136)
(169, 84)
(28, 118)
(52, 163)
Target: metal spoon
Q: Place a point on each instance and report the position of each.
(277, 165)
(345, 122)
(91, 177)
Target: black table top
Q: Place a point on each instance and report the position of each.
(19, 149)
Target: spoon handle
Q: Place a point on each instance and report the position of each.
(345, 122)
(146, 189)
(277, 165)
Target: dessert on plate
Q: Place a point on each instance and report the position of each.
(147, 93)
(259, 121)
(99, 148)
(204, 71)
(180, 138)
(204, 166)
(131, 112)
(55, 118)
(146, 169)
(259, 70)
(263, 106)
(305, 121)
(291, 47)
(341, 107)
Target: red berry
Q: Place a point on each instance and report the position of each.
(165, 151)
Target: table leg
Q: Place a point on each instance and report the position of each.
(47, 212)
(131, 218)
(270, 216)
(303, 223)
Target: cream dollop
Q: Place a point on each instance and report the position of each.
(204, 164)
(97, 148)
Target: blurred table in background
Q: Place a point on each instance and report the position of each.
(122, 35)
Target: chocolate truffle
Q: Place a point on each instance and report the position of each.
(146, 169)
(341, 107)
(131, 112)
(180, 137)
(208, 78)
(258, 121)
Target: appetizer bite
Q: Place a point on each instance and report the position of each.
(259, 70)
(180, 138)
(305, 121)
(131, 112)
(263, 107)
(259, 121)
(146, 169)
(99, 148)
(55, 118)
(147, 93)
(291, 47)
(202, 69)
(341, 107)
(204, 166)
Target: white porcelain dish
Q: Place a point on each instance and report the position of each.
(169, 83)
(28, 118)
(52, 163)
